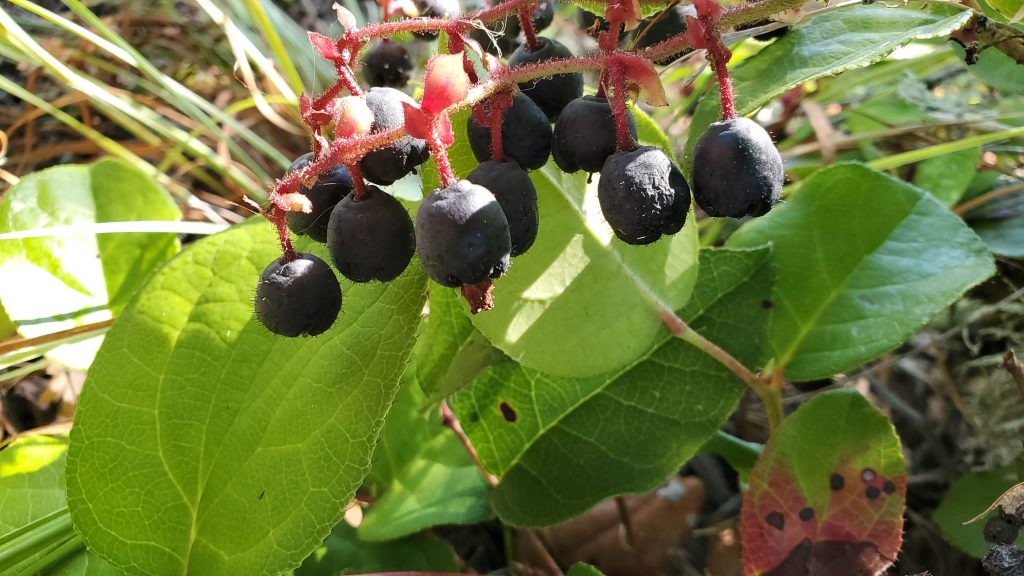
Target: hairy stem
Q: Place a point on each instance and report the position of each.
(440, 153)
(526, 25)
(623, 138)
(358, 184)
(348, 79)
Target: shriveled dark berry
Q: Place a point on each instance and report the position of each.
(386, 165)
(324, 195)
(525, 134)
(300, 297)
(660, 28)
(445, 9)
(371, 238)
(387, 63)
(643, 195)
(462, 235)
(737, 171)
(584, 135)
(553, 93)
(1000, 531)
(1004, 560)
(517, 197)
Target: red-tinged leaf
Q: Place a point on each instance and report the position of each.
(708, 10)
(695, 34)
(352, 117)
(828, 493)
(445, 83)
(345, 18)
(310, 115)
(444, 129)
(417, 124)
(628, 12)
(643, 81)
(324, 46)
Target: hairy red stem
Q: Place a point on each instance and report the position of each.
(440, 153)
(330, 94)
(358, 184)
(348, 79)
(526, 24)
(623, 138)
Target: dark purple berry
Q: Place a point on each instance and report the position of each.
(662, 27)
(325, 193)
(506, 33)
(584, 135)
(300, 297)
(445, 9)
(371, 238)
(525, 134)
(643, 195)
(462, 235)
(517, 197)
(386, 165)
(387, 64)
(553, 93)
(737, 171)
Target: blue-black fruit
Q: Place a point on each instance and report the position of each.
(584, 135)
(325, 193)
(300, 297)
(643, 195)
(517, 197)
(387, 63)
(444, 9)
(553, 93)
(660, 28)
(506, 32)
(737, 171)
(525, 134)
(370, 238)
(386, 165)
(462, 235)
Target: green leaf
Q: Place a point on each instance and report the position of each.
(7, 327)
(864, 261)
(196, 415)
(648, 132)
(427, 476)
(582, 302)
(561, 445)
(1004, 236)
(948, 176)
(1005, 10)
(344, 553)
(828, 44)
(450, 352)
(581, 569)
(31, 480)
(830, 484)
(968, 496)
(68, 280)
(997, 70)
(31, 488)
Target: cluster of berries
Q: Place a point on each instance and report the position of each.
(466, 231)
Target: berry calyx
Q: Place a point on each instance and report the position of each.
(370, 237)
(525, 134)
(517, 197)
(324, 195)
(737, 171)
(551, 94)
(584, 135)
(298, 297)
(462, 235)
(386, 165)
(643, 195)
(387, 64)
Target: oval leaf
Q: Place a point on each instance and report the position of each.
(864, 260)
(967, 496)
(561, 445)
(827, 495)
(204, 444)
(78, 278)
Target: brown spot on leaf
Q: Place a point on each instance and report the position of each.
(806, 514)
(872, 493)
(507, 412)
(836, 482)
(888, 487)
(832, 557)
(775, 520)
(767, 304)
(868, 475)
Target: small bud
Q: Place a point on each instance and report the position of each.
(296, 202)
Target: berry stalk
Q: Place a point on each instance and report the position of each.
(526, 25)
(358, 184)
(440, 153)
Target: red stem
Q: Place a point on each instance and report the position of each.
(718, 62)
(440, 154)
(358, 184)
(330, 94)
(526, 24)
(464, 24)
(497, 107)
(348, 79)
(276, 216)
(623, 138)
